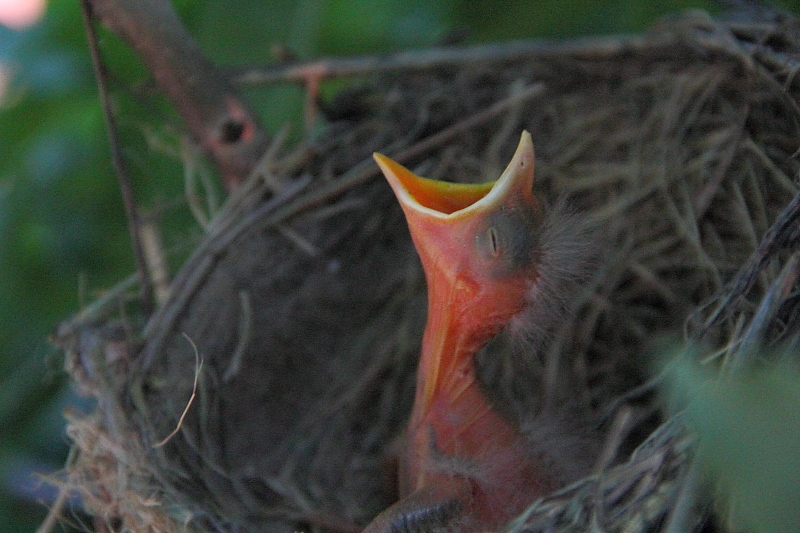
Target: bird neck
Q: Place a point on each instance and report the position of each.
(446, 367)
(452, 418)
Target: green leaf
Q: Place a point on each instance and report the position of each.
(749, 438)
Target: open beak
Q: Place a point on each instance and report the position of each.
(476, 281)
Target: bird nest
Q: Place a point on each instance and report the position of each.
(268, 389)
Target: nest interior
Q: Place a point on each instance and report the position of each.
(306, 301)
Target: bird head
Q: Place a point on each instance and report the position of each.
(477, 244)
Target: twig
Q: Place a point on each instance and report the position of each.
(707, 193)
(157, 266)
(591, 47)
(302, 244)
(620, 428)
(198, 366)
(191, 170)
(684, 514)
(597, 48)
(753, 336)
(99, 306)
(54, 513)
(784, 232)
(134, 222)
(245, 330)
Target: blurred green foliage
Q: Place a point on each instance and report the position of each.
(748, 428)
(63, 234)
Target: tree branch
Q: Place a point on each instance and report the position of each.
(593, 48)
(220, 121)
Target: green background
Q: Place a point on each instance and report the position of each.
(63, 235)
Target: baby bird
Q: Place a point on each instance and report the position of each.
(466, 466)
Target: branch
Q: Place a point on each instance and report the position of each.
(747, 39)
(593, 48)
(220, 121)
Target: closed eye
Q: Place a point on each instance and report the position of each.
(494, 241)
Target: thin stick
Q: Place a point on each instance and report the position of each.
(98, 306)
(131, 210)
(590, 47)
(782, 233)
(245, 328)
(54, 513)
(198, 366)
(707, 193)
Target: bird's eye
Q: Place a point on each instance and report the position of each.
(509, 240)
(493, 239)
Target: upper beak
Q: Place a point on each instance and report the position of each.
(470, 293)
(447, 202)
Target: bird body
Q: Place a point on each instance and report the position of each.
(467, 467)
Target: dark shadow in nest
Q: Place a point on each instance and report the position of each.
(306, 300)
(298, 341)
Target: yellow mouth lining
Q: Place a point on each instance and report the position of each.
(442, 196)
(446, 197)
